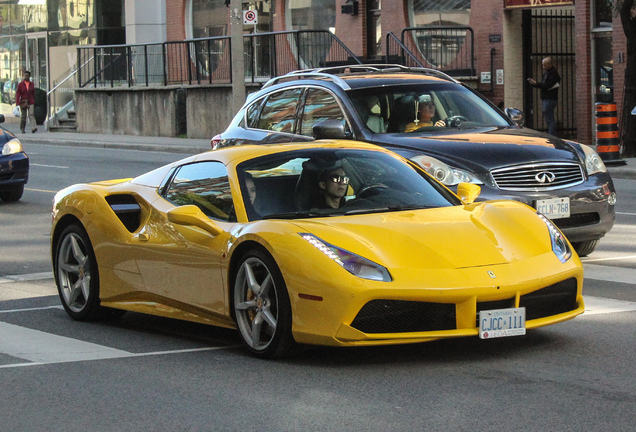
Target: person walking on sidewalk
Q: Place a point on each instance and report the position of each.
(25, 99)
(549, 93)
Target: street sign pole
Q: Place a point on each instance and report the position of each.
(238, 62)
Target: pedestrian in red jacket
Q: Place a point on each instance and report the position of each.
(25, 99)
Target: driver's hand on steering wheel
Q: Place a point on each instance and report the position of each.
(440, 123)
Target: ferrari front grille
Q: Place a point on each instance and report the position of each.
(398, 316)
(538, 177)
(552, 300)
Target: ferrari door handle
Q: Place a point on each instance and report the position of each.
(142, 236)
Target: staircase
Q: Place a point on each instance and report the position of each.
(65, 124)
(64, 120)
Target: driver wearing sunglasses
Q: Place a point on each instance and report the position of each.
(333, 185)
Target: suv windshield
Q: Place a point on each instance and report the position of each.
(423, 108)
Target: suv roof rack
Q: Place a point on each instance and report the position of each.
(332, 73)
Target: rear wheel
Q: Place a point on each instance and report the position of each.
(262, 307)
(585, 248)
(76, 274)
(12, 195)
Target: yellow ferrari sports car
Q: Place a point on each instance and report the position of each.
(328, 243)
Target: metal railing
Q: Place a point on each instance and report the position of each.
(208, 60)
(398, 53)
(268, 55)
(450, 49)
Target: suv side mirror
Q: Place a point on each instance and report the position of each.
(516, 116)
(331, 129)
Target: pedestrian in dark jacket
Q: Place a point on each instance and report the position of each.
(549, 93)
(25, 99)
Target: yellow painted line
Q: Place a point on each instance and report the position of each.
(41, 190)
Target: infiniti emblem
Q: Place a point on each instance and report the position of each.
(545, 177)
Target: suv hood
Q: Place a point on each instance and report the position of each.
(482, 149)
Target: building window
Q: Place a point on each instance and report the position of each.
(439, 12)
(311, 14)
(603, 13)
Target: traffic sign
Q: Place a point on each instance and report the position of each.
(250, 17)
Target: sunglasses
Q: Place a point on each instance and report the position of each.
(339, 179)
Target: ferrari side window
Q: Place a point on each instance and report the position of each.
(204, 184)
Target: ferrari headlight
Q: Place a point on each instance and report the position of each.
(593, 162)
(12, 147)
(560, 245)
(354, 264)
(444, 173)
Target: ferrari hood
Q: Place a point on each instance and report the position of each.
(445, 238)
(484, 148)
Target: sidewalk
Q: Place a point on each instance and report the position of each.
(174, 145)
(129, 142)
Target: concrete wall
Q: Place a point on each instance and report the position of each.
(192, 111)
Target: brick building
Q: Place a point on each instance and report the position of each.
(510, 39)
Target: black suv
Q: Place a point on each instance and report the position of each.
(467, 139)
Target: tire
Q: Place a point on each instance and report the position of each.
(76, 274)
(261, 307)
(12, 195)
(585, 248)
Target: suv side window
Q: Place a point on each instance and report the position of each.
(204, 184)
(319, 105)
(251, 115)
(279, 112)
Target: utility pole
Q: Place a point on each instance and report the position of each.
(238, 62)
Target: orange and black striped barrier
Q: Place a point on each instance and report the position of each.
(607, 141)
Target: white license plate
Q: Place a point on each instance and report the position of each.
(554, 208)
(498, 323)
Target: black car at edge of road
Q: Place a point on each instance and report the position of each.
(14, 166)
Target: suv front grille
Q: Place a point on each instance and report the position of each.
(538, 177)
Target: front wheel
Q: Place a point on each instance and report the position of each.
(585, 248)
(12, 195)
(262, 307)
(76, 274)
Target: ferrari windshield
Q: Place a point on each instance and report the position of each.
(423, 108)
(327, 182)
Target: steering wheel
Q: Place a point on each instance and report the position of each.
(367, 189)
(455, 121)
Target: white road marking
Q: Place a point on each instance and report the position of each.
(26, 277)
(31, 309)
(610, 274)
(626, 214)
(616, 258)
(49, 166)
(602, 305)
(41, 348)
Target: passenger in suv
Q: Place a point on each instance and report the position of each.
(467, 140)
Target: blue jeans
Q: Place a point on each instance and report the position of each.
(548, 106)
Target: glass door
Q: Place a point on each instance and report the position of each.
(37, 60)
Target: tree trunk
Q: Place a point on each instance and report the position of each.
(628, 121)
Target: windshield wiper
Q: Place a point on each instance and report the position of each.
(294, 215)
(385, 209)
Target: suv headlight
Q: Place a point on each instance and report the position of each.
(12, 147)
(354, 264)
(593, 162)
(445, 174)
(560, 245)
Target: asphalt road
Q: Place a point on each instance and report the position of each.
(145, 373)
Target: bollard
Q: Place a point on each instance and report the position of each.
(607, 142)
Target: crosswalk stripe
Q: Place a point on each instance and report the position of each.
(41, 347)
(609, 273)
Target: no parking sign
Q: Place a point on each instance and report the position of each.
(250, 17)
